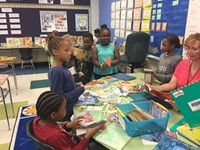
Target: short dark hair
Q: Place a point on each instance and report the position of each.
(104, 29)
(96, 31)
(173, 39)
(88, 35)
(104, 26)
(48, 102)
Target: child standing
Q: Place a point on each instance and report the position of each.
(50, 108)
(59, 77)
(86, 64)
(73, 64)
(105, 56)
(169, 59)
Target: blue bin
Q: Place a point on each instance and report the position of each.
(144, 126)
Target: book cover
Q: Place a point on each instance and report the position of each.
(87, 100)
(114, 117)
(169, 143)
(192, 134)
(153, 139)
(37, 41)
(123, 76)
(10, 42)
(28, 41)
(111, 138)
(16, 42)
(21, 41)
(188, 101)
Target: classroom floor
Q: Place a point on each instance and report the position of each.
(30, 85)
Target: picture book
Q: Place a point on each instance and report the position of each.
(161, 95)
(187, 100)
(37, 41)
(28, 41)
(87, 99)
(113, 117)
(79, 53)
(169, 143)
(16, 42)
(21, 41)
(123, 76)
(192, 134)
(157, 110)
(10, 42)
(114, 137)
(154, 138)
(88, 121)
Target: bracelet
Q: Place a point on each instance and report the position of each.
(101, 66)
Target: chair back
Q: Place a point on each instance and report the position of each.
(137, 45)
(26, 53)
(29, 132)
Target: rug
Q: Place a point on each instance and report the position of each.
(39, 84)
(16, 107)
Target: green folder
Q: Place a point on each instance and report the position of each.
(187, 99)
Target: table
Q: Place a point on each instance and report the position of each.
(136, 142)
(38, 53)
(20, 140)
(10, 61)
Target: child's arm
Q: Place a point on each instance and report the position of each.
(72, 95)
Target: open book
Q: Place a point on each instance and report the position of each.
(88, 121)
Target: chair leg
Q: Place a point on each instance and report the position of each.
(22, 64)
(32, 64)
(11, 102)
(4, 102)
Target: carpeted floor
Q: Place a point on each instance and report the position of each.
(4, 146)
(39, 68)
(39, 84)
(16, 106)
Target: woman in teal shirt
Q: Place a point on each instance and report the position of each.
(105, 56)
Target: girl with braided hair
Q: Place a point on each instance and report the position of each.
(50, 108)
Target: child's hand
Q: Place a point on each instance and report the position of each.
(80, 74)
(91, 131)
(83, 59)
(104, 66)
(79, 84)
(75, 123)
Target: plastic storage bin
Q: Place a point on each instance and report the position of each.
(144, 126)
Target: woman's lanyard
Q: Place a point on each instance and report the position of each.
(191, 73)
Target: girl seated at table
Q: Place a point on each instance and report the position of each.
(51, 108)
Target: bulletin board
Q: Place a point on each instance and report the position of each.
(171, 14)
(174, 16)
(30, 22)
(76, 2)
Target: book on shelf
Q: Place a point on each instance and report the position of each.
(28, 41)
(187, 99)
(168, 142)
(10, 42)
(37, 41)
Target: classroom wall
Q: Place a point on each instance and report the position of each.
(105, 16)
(174, 13)
(94, 15)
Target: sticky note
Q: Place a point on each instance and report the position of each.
(108, 61)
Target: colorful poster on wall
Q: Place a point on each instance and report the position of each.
(67, 2)
(81, 22)
(53, 20)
